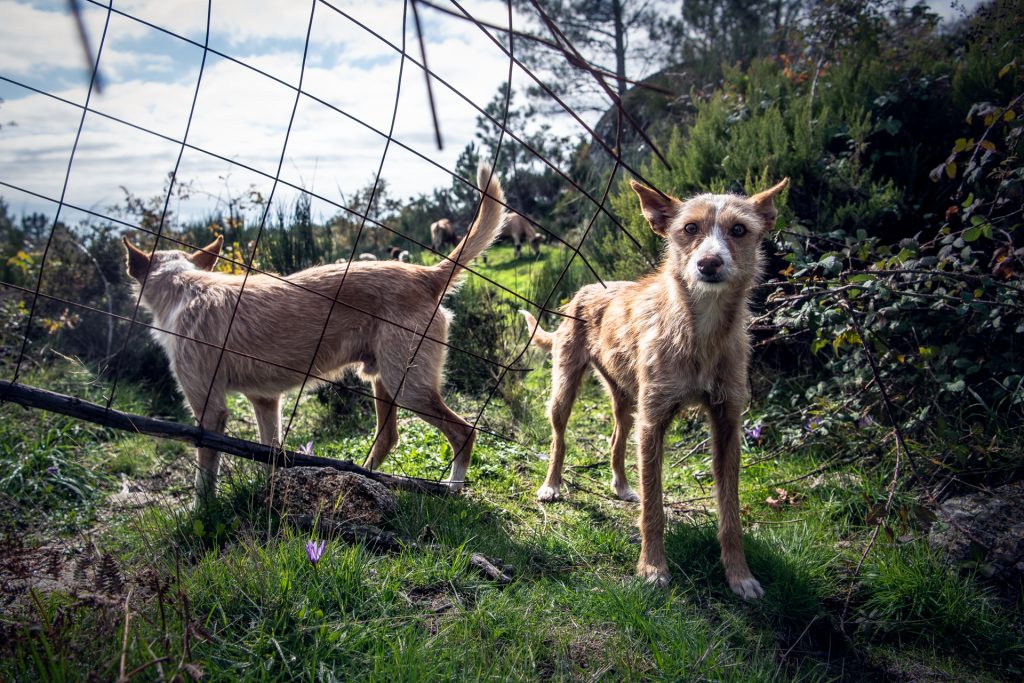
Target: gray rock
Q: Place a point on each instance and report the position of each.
(330, 496)
(996, 521)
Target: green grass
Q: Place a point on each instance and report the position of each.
(234, 583)
(517, 274)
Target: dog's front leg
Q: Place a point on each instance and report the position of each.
(653, 423)
(268, 419)
(212, 415)
(725, 446)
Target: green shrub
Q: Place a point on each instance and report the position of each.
(896, 239)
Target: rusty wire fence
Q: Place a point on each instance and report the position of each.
(412, 52)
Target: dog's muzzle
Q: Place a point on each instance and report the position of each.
(710, 269)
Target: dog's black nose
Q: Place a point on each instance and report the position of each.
(709, 265)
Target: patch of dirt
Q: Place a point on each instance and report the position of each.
(436, 602)
(906, 669)
(589, 650)
(434, 599)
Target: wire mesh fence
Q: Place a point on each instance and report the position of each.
(412, 54)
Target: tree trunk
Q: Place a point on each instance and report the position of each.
(620, 47)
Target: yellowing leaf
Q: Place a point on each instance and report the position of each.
(951, 170)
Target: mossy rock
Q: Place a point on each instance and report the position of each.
(330, 496)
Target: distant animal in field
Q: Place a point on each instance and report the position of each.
(676, 338)
(398, 254)
(521, 232)
(275, 330)
(367, 256)
(442, 233)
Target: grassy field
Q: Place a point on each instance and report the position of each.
(228, 593)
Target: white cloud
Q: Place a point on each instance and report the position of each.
(240, 114)
(34, 43)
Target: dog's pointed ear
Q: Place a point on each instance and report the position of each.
(138, 260)
(764, 203)
(658, 209)
(205, 258)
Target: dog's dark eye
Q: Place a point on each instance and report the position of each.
(738, 230)
(690, 228)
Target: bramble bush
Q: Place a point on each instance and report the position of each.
(895, 259)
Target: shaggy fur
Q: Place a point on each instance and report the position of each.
(281, 324)
(519, 230)
(676, 338)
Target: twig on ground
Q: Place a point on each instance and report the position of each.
(121, 676)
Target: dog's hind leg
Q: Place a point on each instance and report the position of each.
(387, 426)
(567, 372)
(725, 466)
(623, 407)
(460, 434)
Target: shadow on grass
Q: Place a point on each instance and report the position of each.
(793, 604)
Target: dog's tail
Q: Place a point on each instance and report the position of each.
(541, 338)
(484, 230)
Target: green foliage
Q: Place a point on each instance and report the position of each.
(897, 262)
(293, 244)
(351, 403)
(43, 471)
(484, 325)
(884, 261)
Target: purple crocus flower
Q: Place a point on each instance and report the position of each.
(52, 469)
(753, 433)
(812, 424)
(307, 449)
(314, 551)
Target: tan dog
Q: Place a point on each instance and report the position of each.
(676, 338)
(383, 309)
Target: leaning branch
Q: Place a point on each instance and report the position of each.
(30, 397)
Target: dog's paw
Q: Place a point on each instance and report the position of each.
(626, 493)
(654, 575)
(548, 494)
(747, 588)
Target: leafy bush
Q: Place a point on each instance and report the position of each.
(883, 269)
(485, 324)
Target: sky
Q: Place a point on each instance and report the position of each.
(241, 117)
(150, 57)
